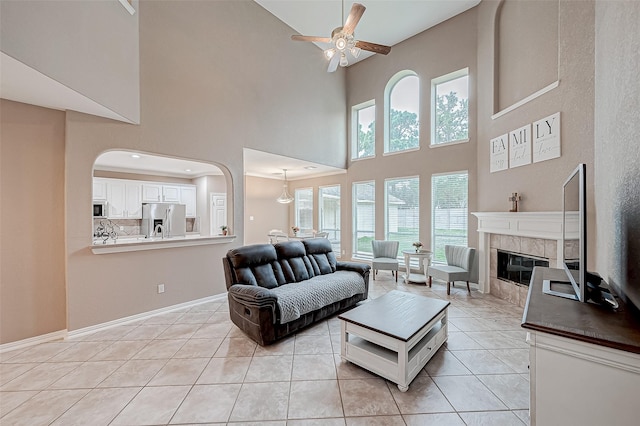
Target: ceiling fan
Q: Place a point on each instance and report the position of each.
(343, 41)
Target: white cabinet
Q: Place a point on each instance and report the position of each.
(99, 190)
(133, 200)
(124, 199)
(170, 194)
(188, 198)
(151, 193)
(578, 383)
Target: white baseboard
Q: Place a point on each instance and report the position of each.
(144, 315)
(64, 334)
(32, 341)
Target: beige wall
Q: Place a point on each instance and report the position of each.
(448, 47)
(540, 184)
(204, 99)
(89, 46)
(32, 286)
(260, 203)
(617, 132)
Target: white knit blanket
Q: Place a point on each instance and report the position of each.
(297, 299)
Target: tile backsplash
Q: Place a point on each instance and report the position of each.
(132, 227)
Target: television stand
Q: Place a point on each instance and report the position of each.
(584, 359)
(554, 287)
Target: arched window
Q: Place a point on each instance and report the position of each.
(402, 112)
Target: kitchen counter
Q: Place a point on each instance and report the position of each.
(139, 243)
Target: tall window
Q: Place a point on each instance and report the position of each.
(402, 112)
(402, 211)
(364, 130)
(450, 108)
(304, 209)
(449, 202)
(364, 219)
(329, 202)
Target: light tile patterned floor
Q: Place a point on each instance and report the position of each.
(195, 367)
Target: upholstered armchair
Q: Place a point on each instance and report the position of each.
(458, 267)
(385, 257)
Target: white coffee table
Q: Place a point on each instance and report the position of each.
(394, 335)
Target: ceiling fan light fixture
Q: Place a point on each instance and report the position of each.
(285, 197)
(355, 51)
(329, 53)
(343, 60)
(341, 43)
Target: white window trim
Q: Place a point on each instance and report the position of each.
(295, 204)
(404, 151)
(354, 249)
(386, 210)
(431, 207)
(354, 129)
(387, 107)
(439, 80)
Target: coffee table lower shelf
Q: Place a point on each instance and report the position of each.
(394, 359)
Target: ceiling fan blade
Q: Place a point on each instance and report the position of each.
(333, 63)
(354, 17)
(298, 37)
(373, 47)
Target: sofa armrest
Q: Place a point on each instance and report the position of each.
(252, 295)
(360, 268)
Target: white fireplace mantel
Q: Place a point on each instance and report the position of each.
(546, 225)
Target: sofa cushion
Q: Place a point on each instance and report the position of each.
(294, 261)
(297, 299)
(256, 265)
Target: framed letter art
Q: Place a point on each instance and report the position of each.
(520, 146)
(546, 138)
(499, 153)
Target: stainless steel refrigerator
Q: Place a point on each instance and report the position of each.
(164, 220)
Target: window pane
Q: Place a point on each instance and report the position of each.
(304, 209)
(364, 217)
(404, 112)
(449, 199)
(402, 206)
(452, 110)
(366, 119)
(329, 202)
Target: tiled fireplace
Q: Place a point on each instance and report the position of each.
(532, 234)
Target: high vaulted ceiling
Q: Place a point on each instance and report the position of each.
(386, 22)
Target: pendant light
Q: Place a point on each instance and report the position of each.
(285, 197)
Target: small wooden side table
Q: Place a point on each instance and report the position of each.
(424, 260)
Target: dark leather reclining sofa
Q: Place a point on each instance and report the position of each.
(275, 290)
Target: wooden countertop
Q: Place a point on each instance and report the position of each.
(588, 322)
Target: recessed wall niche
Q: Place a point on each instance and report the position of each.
(526, 56)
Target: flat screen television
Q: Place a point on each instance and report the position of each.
(574, 230)
(574, 239)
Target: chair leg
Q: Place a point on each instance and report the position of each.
(374, 274)
(448, 287)
(468, 288)
(429, 281)
(396, 276)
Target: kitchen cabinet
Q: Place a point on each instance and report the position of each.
(151, 193)
(170, 194)
(188, 198)
(124, 199)
(99, 190)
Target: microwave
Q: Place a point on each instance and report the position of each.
(99, 209)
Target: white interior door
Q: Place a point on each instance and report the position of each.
(218, 213)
